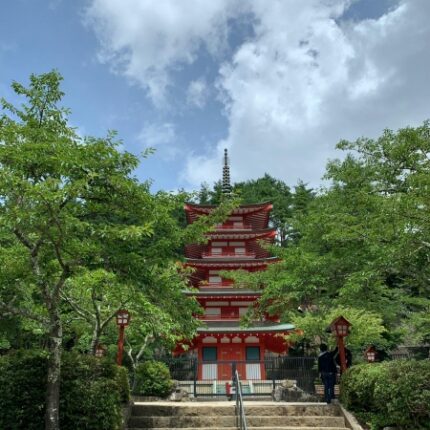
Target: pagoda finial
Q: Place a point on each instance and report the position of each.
(226, 186)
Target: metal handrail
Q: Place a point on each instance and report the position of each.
(240, 409)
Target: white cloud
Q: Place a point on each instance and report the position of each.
(198, 93)
(162, 137)
(306, 81)
(203, 168)
(147, 40)
(153, 135)
(302, 81)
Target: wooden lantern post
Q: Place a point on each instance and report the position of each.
(122, 321)
(100, 351)
(370, 354)
(340, 328)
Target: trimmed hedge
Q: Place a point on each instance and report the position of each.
(153, 379)
(22, 391)
(391, 393)
(92, 392)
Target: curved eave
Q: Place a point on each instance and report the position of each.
(240, 234)
(194, 210)
(242, 294)
(279, 328)
(229, 263)
(206, 208)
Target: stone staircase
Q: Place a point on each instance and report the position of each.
(220, 416)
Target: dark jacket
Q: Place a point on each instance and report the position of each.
(326, 363)
(348, 357)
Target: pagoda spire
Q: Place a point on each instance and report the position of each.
(226, 185)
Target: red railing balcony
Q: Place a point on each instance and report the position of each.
(224, 254)
(234, 227)
(218, 317)
(216, 284)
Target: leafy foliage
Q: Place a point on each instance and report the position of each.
(92, 391)
(286, 203)
(153, 379)
(23, 382)
(393, 393)
(361, 247)
(81, 237)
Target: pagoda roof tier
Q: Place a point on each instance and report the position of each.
(225, 292)
(242, 209)
(227, 263)
(256, 216)
(215, 327)
(240, 234)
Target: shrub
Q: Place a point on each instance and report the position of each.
(405, 395)
(90, 404)
(153, 379)
(390, 393)
(123, 384)
(22, 390)
(358, 386)
(91, 392)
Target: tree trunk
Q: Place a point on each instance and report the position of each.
(135, 360)
(95, 339)
(52, 417)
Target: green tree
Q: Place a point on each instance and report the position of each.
(77, 230)
(361, 245)
(80, 236)
(267, 189)
(65, 203)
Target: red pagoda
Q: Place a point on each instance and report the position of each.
(233, 245)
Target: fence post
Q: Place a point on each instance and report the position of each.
(273, 373)
(195, 373)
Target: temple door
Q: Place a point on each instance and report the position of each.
(209, 369)
(228, 356)
(253, 364)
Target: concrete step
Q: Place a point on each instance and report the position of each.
(295, 421)
(221, 416)
(249, 428)
(217, 422)
(301, 410)
(148, 409)
(227, 409)
(182, 421)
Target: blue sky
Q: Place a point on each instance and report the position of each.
(278, 82)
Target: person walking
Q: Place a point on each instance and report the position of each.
(348, 358)
(327, 370)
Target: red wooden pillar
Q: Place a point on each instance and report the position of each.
(262, 353)
(122, 320)
(120, 345)
(341, 348)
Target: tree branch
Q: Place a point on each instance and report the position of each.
(88, 316)
(25, 241)
(112, 315)
(63, 265)
(9, 309)
(148, 337)
(107, 320)
(57, 287)
(96, 307)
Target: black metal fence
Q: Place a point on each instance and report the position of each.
(259, 378)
